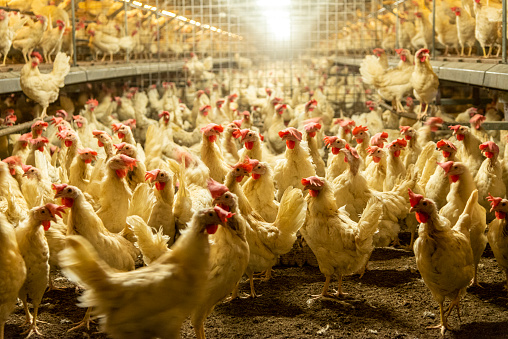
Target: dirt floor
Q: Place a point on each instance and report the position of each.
(389, 301)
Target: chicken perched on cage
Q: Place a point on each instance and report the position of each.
(443, 253)
(498, 232)
(44, 88)
(52, 40)
(7, 32)
(487, 25)
(465, 29)
(152, 301)
(424, 81)
(29, 37)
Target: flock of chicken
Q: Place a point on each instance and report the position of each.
(459, 24)
(101, 23)
(205, 196)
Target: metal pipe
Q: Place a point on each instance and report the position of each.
(73, 18)
(503, 44)
(127, 56)
(397, 28)
(434, 29)
(21, 127)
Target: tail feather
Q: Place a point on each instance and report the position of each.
(368, 224)
(81, 263)
(61, 67)
(289, 220)
(142, 202)
(463, 225)
(371, 70)
(152, 246)
(426, 163)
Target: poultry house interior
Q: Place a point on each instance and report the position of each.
(275, 169)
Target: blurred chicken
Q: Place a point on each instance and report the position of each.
(30, 36)
(424, 81)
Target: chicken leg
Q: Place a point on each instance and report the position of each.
(33, 324)
(85, 322)
(443, 325)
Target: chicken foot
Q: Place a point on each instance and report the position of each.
(264, 276)
(85, 322)
(252, 290)
(443, 325)
(327, 296)
(33, 321)
(475, 282)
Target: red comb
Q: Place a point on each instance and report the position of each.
(291, 131)
(330, 139)
(26, 168)
(59, 187)
(414, 198)
(313, 180)
(359, 129)
(216, 188)
(442, 143)
(494, 201)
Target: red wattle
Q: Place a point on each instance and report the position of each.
(403, 58)
(460, 137)
(313, 193)
(489, 154)
(359, 141)
(79, 124)
(422, 59)
(121, 173)
(249, 145)
(500, 215)
(335, 150)
(376, 159)
(224, 207)
(68, 202)
(160, 185)
(422, 217)
(212, 138)
(446, 154)
(121, 135)
(68, 143)
(13, 171)
(256, 176)
(396, 154)
(345, 159)
(46, 224)
(346, 130)
(239, 178)
(454, 178)
(290, 144)
(407, 137)
(312, 134)
(88, 161)
(100, 143)
(41, 149)
(211, 229)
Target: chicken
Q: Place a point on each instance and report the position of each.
(267, 240)
(260, 191)
(498, 232)
(152, 301)
(489, 179)
(424, 81)
(33, 247)
(35, 187)
(44, 88)
(52, 40)
(229, 256)
(424, 33)
(211, 154)
(136, 175)
(12, 271)
(29, 37)
(276, 125)
(79, 173)
(104, 43)
(341, 246)
(461, 187)
(115, 193)
(375, 174)
(162, 212)
(311, 128)
(446, 30)
(465, 29)
(413, 150)
(362, 136)
(395, 168)
(470, 153)
(296, 162)
(336, 160)
(438, 185)
(486, 28)
(17, 207)
(7, 33)
(443, 253)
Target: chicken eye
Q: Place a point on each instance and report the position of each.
(503, 204)
(210, 214)
(238, 170)
(424, 204)
(43, 211)
(69, 190)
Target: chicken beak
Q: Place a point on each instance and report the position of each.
(412, 209)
